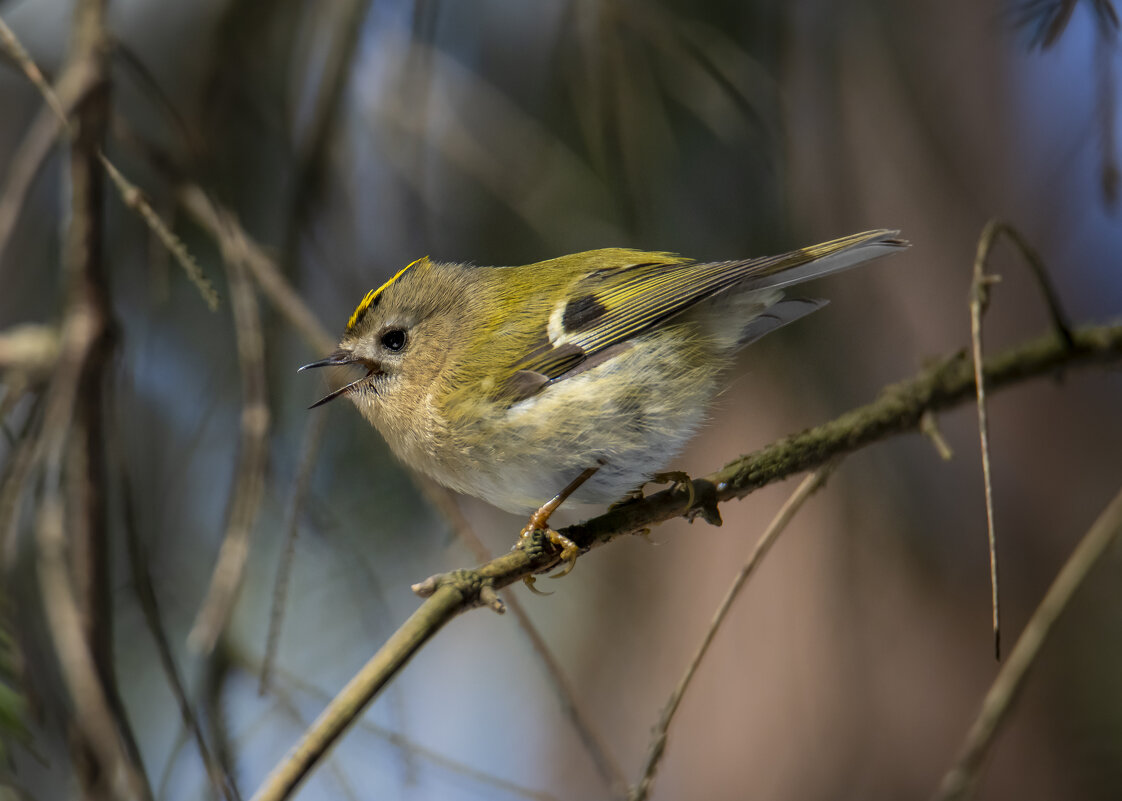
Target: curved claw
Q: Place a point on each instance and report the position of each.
(569, 552)
(531, 583)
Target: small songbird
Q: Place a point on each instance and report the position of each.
(580, 376)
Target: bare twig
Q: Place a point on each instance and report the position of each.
(71, 531)
(93, 713)
(41, 137)
(929, 427)
(445, 603)
(13, 487)
(226, 580)
(223, 226)
(313, 436)
(960, 781)
(130, 194)
(408, 748)
(809, 485)
(13, 47)
(135, 200)
(979, 300)
(898, 409)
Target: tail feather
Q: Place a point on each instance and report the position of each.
(812, 262)
(778, 315)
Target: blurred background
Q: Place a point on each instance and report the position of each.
(349, 137)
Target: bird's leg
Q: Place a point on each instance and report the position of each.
(539, 521)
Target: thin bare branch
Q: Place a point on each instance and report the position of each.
(898, 409)
(14, 488)
(249, 488)
(960, 781)
(222, 225)
(929, 427)
(808, 486)
(84, 82)
(979, 300)
(42, 135)
(135, 200)
(408, 748)
(71, 531)
(14, 48)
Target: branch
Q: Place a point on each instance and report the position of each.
(249, 488)
(898, 409)
(72, 533)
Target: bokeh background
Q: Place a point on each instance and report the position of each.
(350, 137)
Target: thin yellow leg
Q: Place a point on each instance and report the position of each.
(539, 521)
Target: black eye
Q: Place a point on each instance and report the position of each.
(393, 339)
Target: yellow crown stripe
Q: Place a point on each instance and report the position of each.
(372, 296)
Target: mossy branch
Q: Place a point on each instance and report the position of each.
(899, 408)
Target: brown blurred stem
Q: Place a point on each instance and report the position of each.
(72, 534)
(223, 226)
(249, 478)
(28, 159)
(979, 302)
(84, 78)
(899, 408)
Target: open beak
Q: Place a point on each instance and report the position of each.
(336, 359)
(340, 358)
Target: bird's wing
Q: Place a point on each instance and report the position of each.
(607, 308)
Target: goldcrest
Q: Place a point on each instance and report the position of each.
(510, 383)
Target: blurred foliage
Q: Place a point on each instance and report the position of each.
(348, 138)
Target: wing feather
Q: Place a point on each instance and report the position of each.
(619, 304)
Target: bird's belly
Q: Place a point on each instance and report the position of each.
(629, 416)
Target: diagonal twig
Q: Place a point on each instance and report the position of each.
(641, 790)
(131, 195)
(41, 137)
(223, 226)
(72, 530)
(979, 301)
(249, 487)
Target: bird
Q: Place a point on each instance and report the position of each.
(577, 378)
